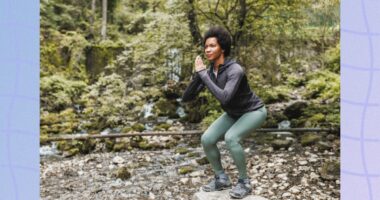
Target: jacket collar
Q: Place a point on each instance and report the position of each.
(227, 62)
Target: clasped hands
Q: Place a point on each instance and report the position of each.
(199, 65)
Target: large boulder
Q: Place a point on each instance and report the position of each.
(295, 110)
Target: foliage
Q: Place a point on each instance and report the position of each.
(323, 85)
(58, 93)
(108, 105)
(286, 47)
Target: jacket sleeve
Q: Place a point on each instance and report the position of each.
(234, 76)
(193, 89)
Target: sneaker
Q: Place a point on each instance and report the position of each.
(242, 189)
(220, 182)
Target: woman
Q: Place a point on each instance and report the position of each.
(244, 111)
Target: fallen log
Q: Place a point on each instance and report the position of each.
(166, 133)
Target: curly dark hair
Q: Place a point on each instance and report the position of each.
(222, 36)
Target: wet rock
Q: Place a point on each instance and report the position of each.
(295, 110)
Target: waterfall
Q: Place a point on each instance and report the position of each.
(147, 109)
(174, 64)
(49, 150)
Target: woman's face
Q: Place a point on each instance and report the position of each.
(212, 49)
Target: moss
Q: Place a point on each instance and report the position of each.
(48, 118)
(126, 129)
(87, 146)
(274, 94)
(161, 127)
(109, 144)
(138, 127)
(330, 170)
(193, 154)
(119, 146)
(99, 56)
(144, 145)
(323, 85)
(71, 152)
(122, 173)
(309, 139)
(43, 139)
(202, 161)
(170, 144)
(181, 150)
(185, 169)
(165, 107)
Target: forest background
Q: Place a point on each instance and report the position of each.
(121, 66)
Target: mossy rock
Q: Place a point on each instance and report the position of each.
(138, 127)
(195, 142)
(310, 139)
(71, 152)
(119, 146)
(43, 139)
(202, 161)
(145, 145)
(322, 146)
(182, 150)
(165, 107)
(330, 170)
(295, 110)
(87, 146)
(185, 169)
(109, 144)
(63, 145)
(122, 173)
(278, 144)
(193, 154)
(134, 141)
(126, 129)
(170, 144)
(161, 127)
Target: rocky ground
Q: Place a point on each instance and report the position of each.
(280, 167)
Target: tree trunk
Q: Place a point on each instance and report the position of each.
(193, 25)
(104, 19)
(241, 21)
(92, 18)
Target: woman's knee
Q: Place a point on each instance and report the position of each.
(231, 139)
(207, 140)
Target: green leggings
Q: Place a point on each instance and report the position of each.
(233, 131)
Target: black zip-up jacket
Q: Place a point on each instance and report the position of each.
(230, 87)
